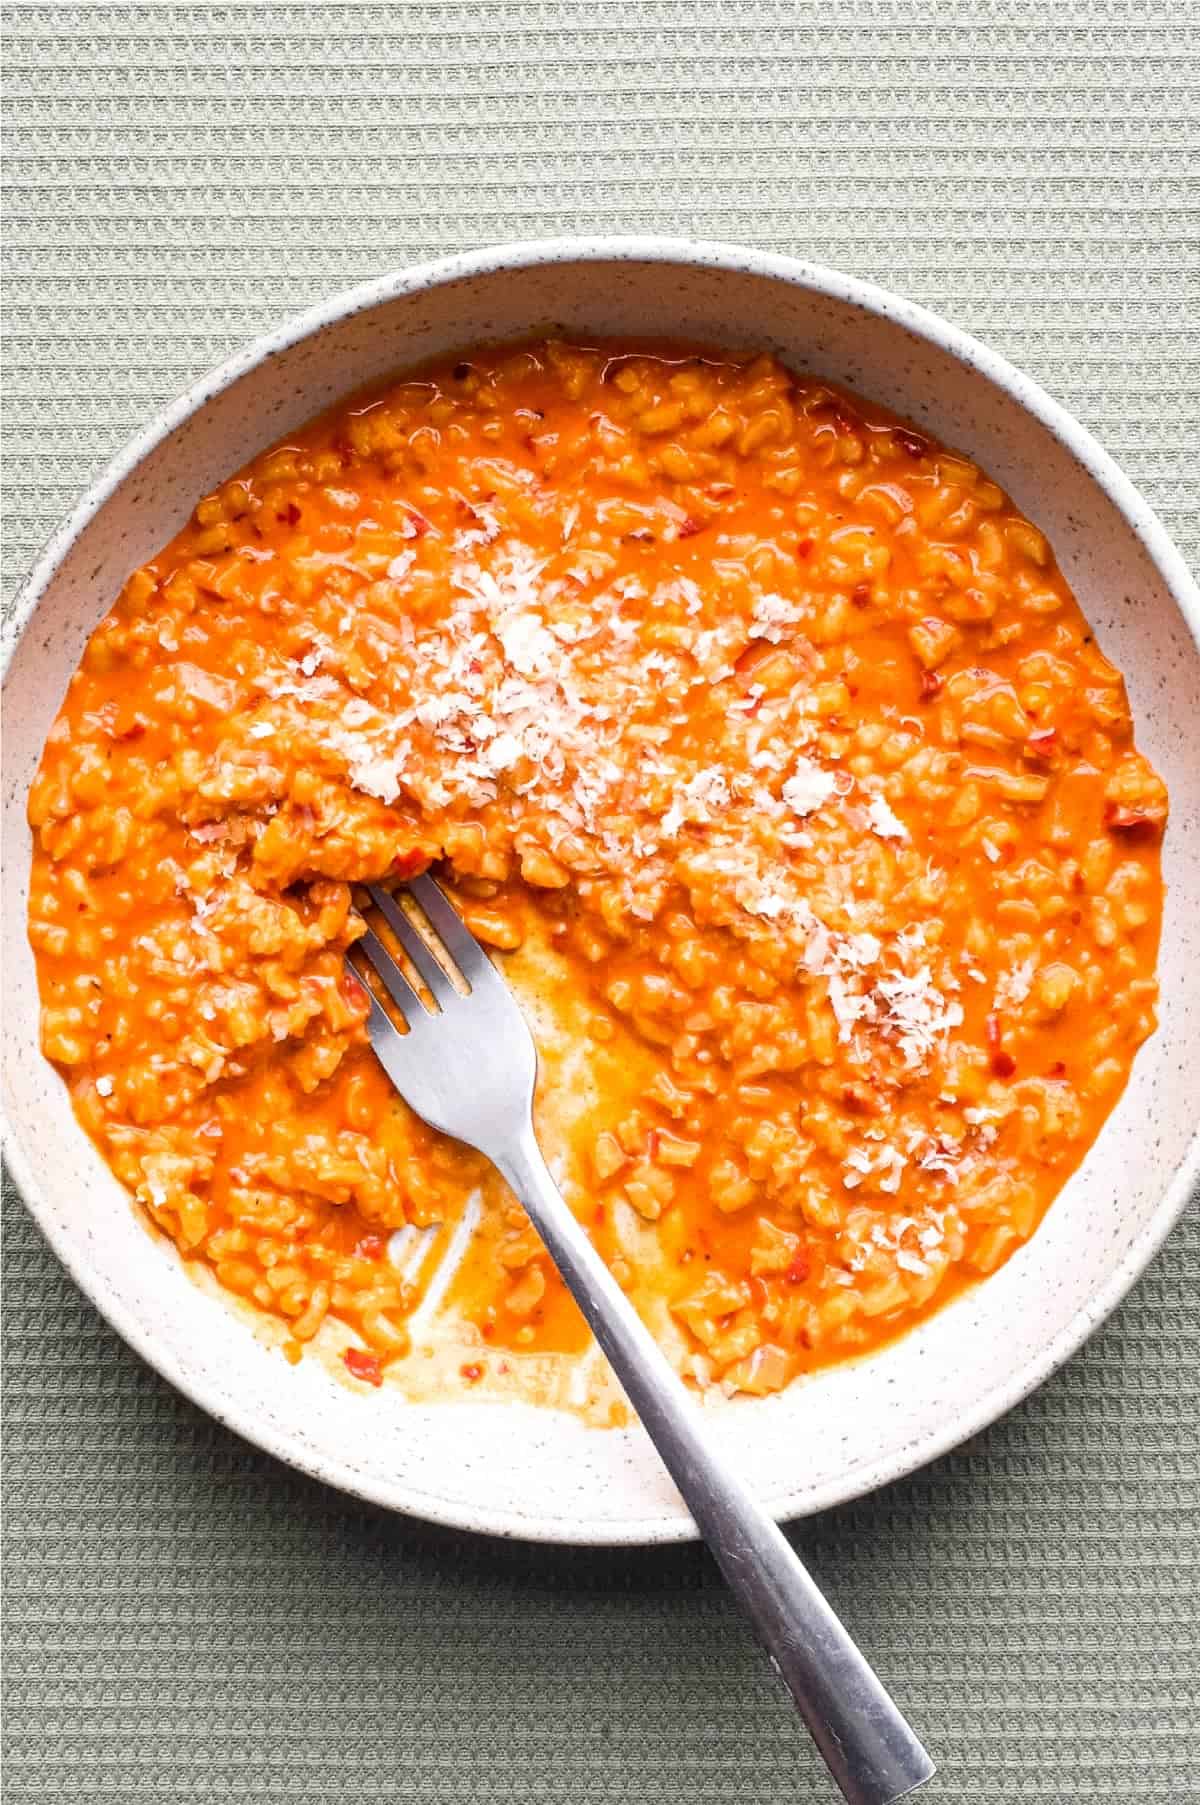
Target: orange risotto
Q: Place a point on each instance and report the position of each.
(761, 738)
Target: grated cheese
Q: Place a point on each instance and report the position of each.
(696, 800)
(772, 615)
(917, 1013)
(884, 821)
(1012, 987)
(808, 787)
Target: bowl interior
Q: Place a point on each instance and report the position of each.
(513, 1469)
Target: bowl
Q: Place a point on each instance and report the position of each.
(512, 1469)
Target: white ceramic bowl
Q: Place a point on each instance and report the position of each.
(511, 1469)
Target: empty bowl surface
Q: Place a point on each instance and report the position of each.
(512, 1469)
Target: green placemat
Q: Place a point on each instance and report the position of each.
(186, 1620)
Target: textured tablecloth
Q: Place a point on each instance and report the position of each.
(186, 1620)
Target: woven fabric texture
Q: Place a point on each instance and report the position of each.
(188, 1621)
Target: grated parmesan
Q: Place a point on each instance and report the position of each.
(884, 821)
(808, 787)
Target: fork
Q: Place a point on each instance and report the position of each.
(467, 1065)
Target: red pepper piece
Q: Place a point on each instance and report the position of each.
(1003, 1064)
(1127, 820)
(363, 1365)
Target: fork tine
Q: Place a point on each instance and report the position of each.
(457, 938)
(399, 989)
(379, 1023)
(414, 945)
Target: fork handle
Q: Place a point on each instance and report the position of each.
(869, 1748)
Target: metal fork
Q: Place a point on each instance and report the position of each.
(467, 1065)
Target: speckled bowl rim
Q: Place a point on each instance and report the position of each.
(706, 254)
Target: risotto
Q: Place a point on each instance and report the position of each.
(761, 738)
